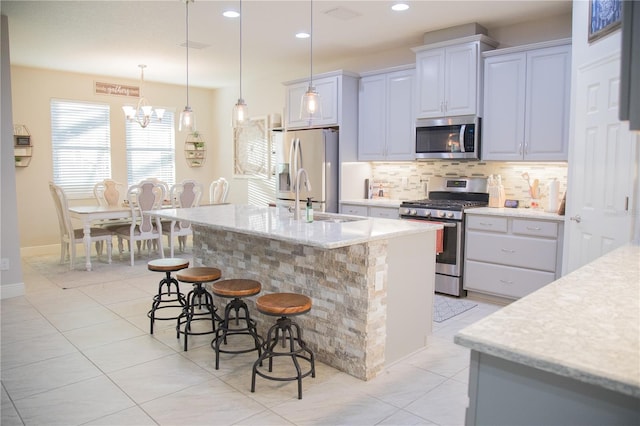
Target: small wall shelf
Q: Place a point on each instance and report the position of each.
(22, 149)
(195, 150)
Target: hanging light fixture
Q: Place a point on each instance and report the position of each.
(240, 111)
(311, 107)
(187, 116)
(143, 111)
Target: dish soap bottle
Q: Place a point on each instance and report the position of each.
(309, 211)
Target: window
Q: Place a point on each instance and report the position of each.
(80, 140)
(151, 150)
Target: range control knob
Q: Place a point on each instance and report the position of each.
(413, 212)
(404, 211)
(450, 214)
(440, 214)
(427, 214)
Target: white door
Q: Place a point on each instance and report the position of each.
(601, 168)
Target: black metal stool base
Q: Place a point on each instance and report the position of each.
(285, 330)
(225, 330)
(197, 310)
(166, 299)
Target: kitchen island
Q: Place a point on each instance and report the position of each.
(371, 280)
(568, 353)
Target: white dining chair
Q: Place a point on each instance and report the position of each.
(108, 192)
(218, 191)
(183, 195)
(145, 196)
(70, 236)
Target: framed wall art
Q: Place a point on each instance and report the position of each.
(604, 17)
(251, 149)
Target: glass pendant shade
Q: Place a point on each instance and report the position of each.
(240, 114)
(187, 116)
(187, 120)
(311, 106)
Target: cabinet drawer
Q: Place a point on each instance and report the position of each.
(536, 228)
(354, 210)
(504, 281)
(487, 223)
(385, 212)
(532, 253)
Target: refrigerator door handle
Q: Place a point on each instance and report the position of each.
(300, 165)
(291, 149)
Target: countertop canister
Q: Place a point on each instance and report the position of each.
(554, 195)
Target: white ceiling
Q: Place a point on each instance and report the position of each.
(112, 37)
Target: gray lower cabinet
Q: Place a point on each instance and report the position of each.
(369, 211)
(511, 257)
(503, 392)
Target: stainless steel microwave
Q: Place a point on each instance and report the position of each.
(448, 138)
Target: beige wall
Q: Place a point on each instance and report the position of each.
(33, 89)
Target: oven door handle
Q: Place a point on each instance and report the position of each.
(445, 224)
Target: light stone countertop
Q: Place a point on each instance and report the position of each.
(585, 325)
(519, 213)
(374, 202)
(278, 224)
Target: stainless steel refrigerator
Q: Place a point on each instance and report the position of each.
(315, 150)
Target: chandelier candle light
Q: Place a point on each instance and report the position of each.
(143, 111)
(187, 117)
(311, 106)
(240, 112)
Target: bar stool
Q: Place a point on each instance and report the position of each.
(196, 309)
(236, 289)
(166, 298)
(284, 305)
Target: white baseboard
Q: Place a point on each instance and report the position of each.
(8, 291)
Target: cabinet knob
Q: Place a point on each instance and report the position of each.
(577, 218)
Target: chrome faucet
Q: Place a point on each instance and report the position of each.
(301, 171)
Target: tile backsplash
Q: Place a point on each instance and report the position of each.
(409, 180)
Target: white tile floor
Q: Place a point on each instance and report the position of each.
(76, 350)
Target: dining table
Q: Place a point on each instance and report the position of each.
(89, 214)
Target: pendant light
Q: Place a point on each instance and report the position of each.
(311, 106)
(187, 116)
(240, 111)
(143, 111)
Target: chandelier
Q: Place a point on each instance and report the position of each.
(143, 112)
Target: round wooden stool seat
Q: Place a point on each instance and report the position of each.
(169, 295)
(199, 274)
(238, 323)
(283, 304)
(169, 264)
(199, 302)
(284, 330)
(236, 288)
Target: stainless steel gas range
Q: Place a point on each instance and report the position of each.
(448, 198)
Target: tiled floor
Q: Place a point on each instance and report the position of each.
(76, 350)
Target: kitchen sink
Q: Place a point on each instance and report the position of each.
(336, 219)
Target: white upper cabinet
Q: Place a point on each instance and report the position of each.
(526, 103)
(327, 88)
(386, 121)
(338, 95)
(448, 77)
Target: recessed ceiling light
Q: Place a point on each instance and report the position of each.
(230, 14)
(399, 7)
(302, 35)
